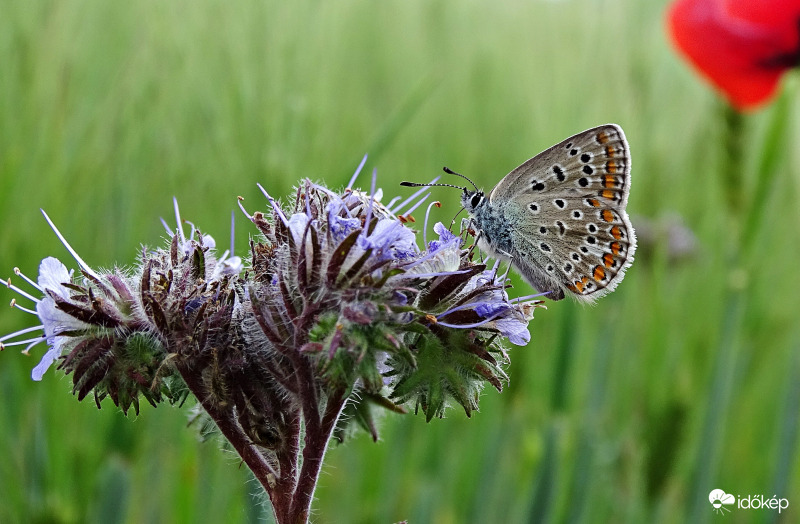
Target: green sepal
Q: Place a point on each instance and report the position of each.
(445, 371)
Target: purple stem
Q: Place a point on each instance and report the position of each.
(249, 452)
(316, 444)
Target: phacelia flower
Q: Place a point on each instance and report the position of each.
(109, 329)
(342, 278)
(742, 47)
(338, 311)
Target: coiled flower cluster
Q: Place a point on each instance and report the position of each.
(339, 309)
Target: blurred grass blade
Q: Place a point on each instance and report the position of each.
(773, 151)
(717, 403)
(545, 483)
(563, 362)
(786, 456)
(113, 493)
(590, 434)
(546, 490)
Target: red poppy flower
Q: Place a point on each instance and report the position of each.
(741, 46)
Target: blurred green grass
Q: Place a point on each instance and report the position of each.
(107, 110)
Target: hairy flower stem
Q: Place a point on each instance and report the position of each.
(316, 443)
(232, 431)
(318, 430)
(290, 491)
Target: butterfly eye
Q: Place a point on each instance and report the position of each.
(476, 199)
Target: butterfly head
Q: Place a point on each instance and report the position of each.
(471, 200)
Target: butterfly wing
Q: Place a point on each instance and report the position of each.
(567, 208)
(562, 164)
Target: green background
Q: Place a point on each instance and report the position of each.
(684, 380)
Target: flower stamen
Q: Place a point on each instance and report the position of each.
(12, 287)
(25, 278)
(21, 332)
(178, 220)
(275, 207)
(358, 170)
(21, 308)
(78, 259)
(371, 200)
(425, 224)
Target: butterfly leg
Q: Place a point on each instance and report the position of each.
(505, 275)
(477, 239)
(501, 255)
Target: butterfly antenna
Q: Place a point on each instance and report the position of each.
(451, 172)
(453, 222)
(414, 184)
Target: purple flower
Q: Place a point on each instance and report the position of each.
(515, 329)
(78, 316)
(297, 226)
(338, 314)
(443, 256)
(341, 227)
(390, 239)
(446, 239)
(491, 309)
(227, 266)
(485, 297)
(52, 277)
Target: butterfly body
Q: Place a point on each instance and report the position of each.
(560, 217)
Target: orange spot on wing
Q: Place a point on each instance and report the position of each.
(592, 202)
(609, 181)
(610, 151)
(599, 273)
(616, 247)
(580, 284)
(609, 194)
(608, 259)
(607, 215)
(602, 137)
(611, 167)
(616, 232)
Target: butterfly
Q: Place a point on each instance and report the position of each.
(560, 218)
